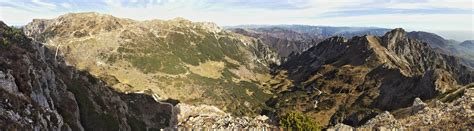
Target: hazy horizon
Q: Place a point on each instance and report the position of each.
(448, 18)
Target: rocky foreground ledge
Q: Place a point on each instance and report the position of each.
(457, 114)
(211, 117)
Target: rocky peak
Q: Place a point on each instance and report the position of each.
(397, 32)
(36, 27)
(212, 27)
(181, 20)
(209, 26)
(394, 37)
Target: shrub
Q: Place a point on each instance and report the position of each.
(298, 121)
(13, 35)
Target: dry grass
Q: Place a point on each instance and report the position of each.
(210, 69)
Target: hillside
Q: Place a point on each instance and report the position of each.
(39, 91)
(352, 80)
(192, 62)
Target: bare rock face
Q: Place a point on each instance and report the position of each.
(341, 127)
(204, 116)
(7, 82)
(417, 105)
(438, 115)
(383, 120)
(284, 41)
(457, 114)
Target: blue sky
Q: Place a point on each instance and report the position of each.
(450, 18)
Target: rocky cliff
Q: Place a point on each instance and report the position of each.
(284, 41)
(39, 91)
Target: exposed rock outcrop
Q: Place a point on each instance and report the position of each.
(439, 115)
(204, 116)
(436, 115)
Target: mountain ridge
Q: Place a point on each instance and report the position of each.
(354, 79)
(174, 59)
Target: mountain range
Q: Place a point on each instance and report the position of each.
(86, 71)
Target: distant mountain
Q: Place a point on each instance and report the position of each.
(294, 39)
(284, 41)
(468, 44)
(352, 80)
(444, 46)
(434, 40)
(325, 31)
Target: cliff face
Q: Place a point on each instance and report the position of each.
(284, 41)
(39, 91)
(351, 81)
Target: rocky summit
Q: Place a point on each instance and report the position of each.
(92, 71)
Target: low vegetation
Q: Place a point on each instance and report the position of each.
(12, 35)
(90, 118)
(298, 121)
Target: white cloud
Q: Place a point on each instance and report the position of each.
(44, 4)
(21, 17)
(66, 5)
(224, 14)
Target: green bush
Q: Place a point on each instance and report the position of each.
(298, 121)
(12, 35)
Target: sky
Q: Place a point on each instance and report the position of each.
(451, 19)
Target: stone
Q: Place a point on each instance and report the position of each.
(7, 82)
(418, 105)
(315, 104)
(341, 127)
